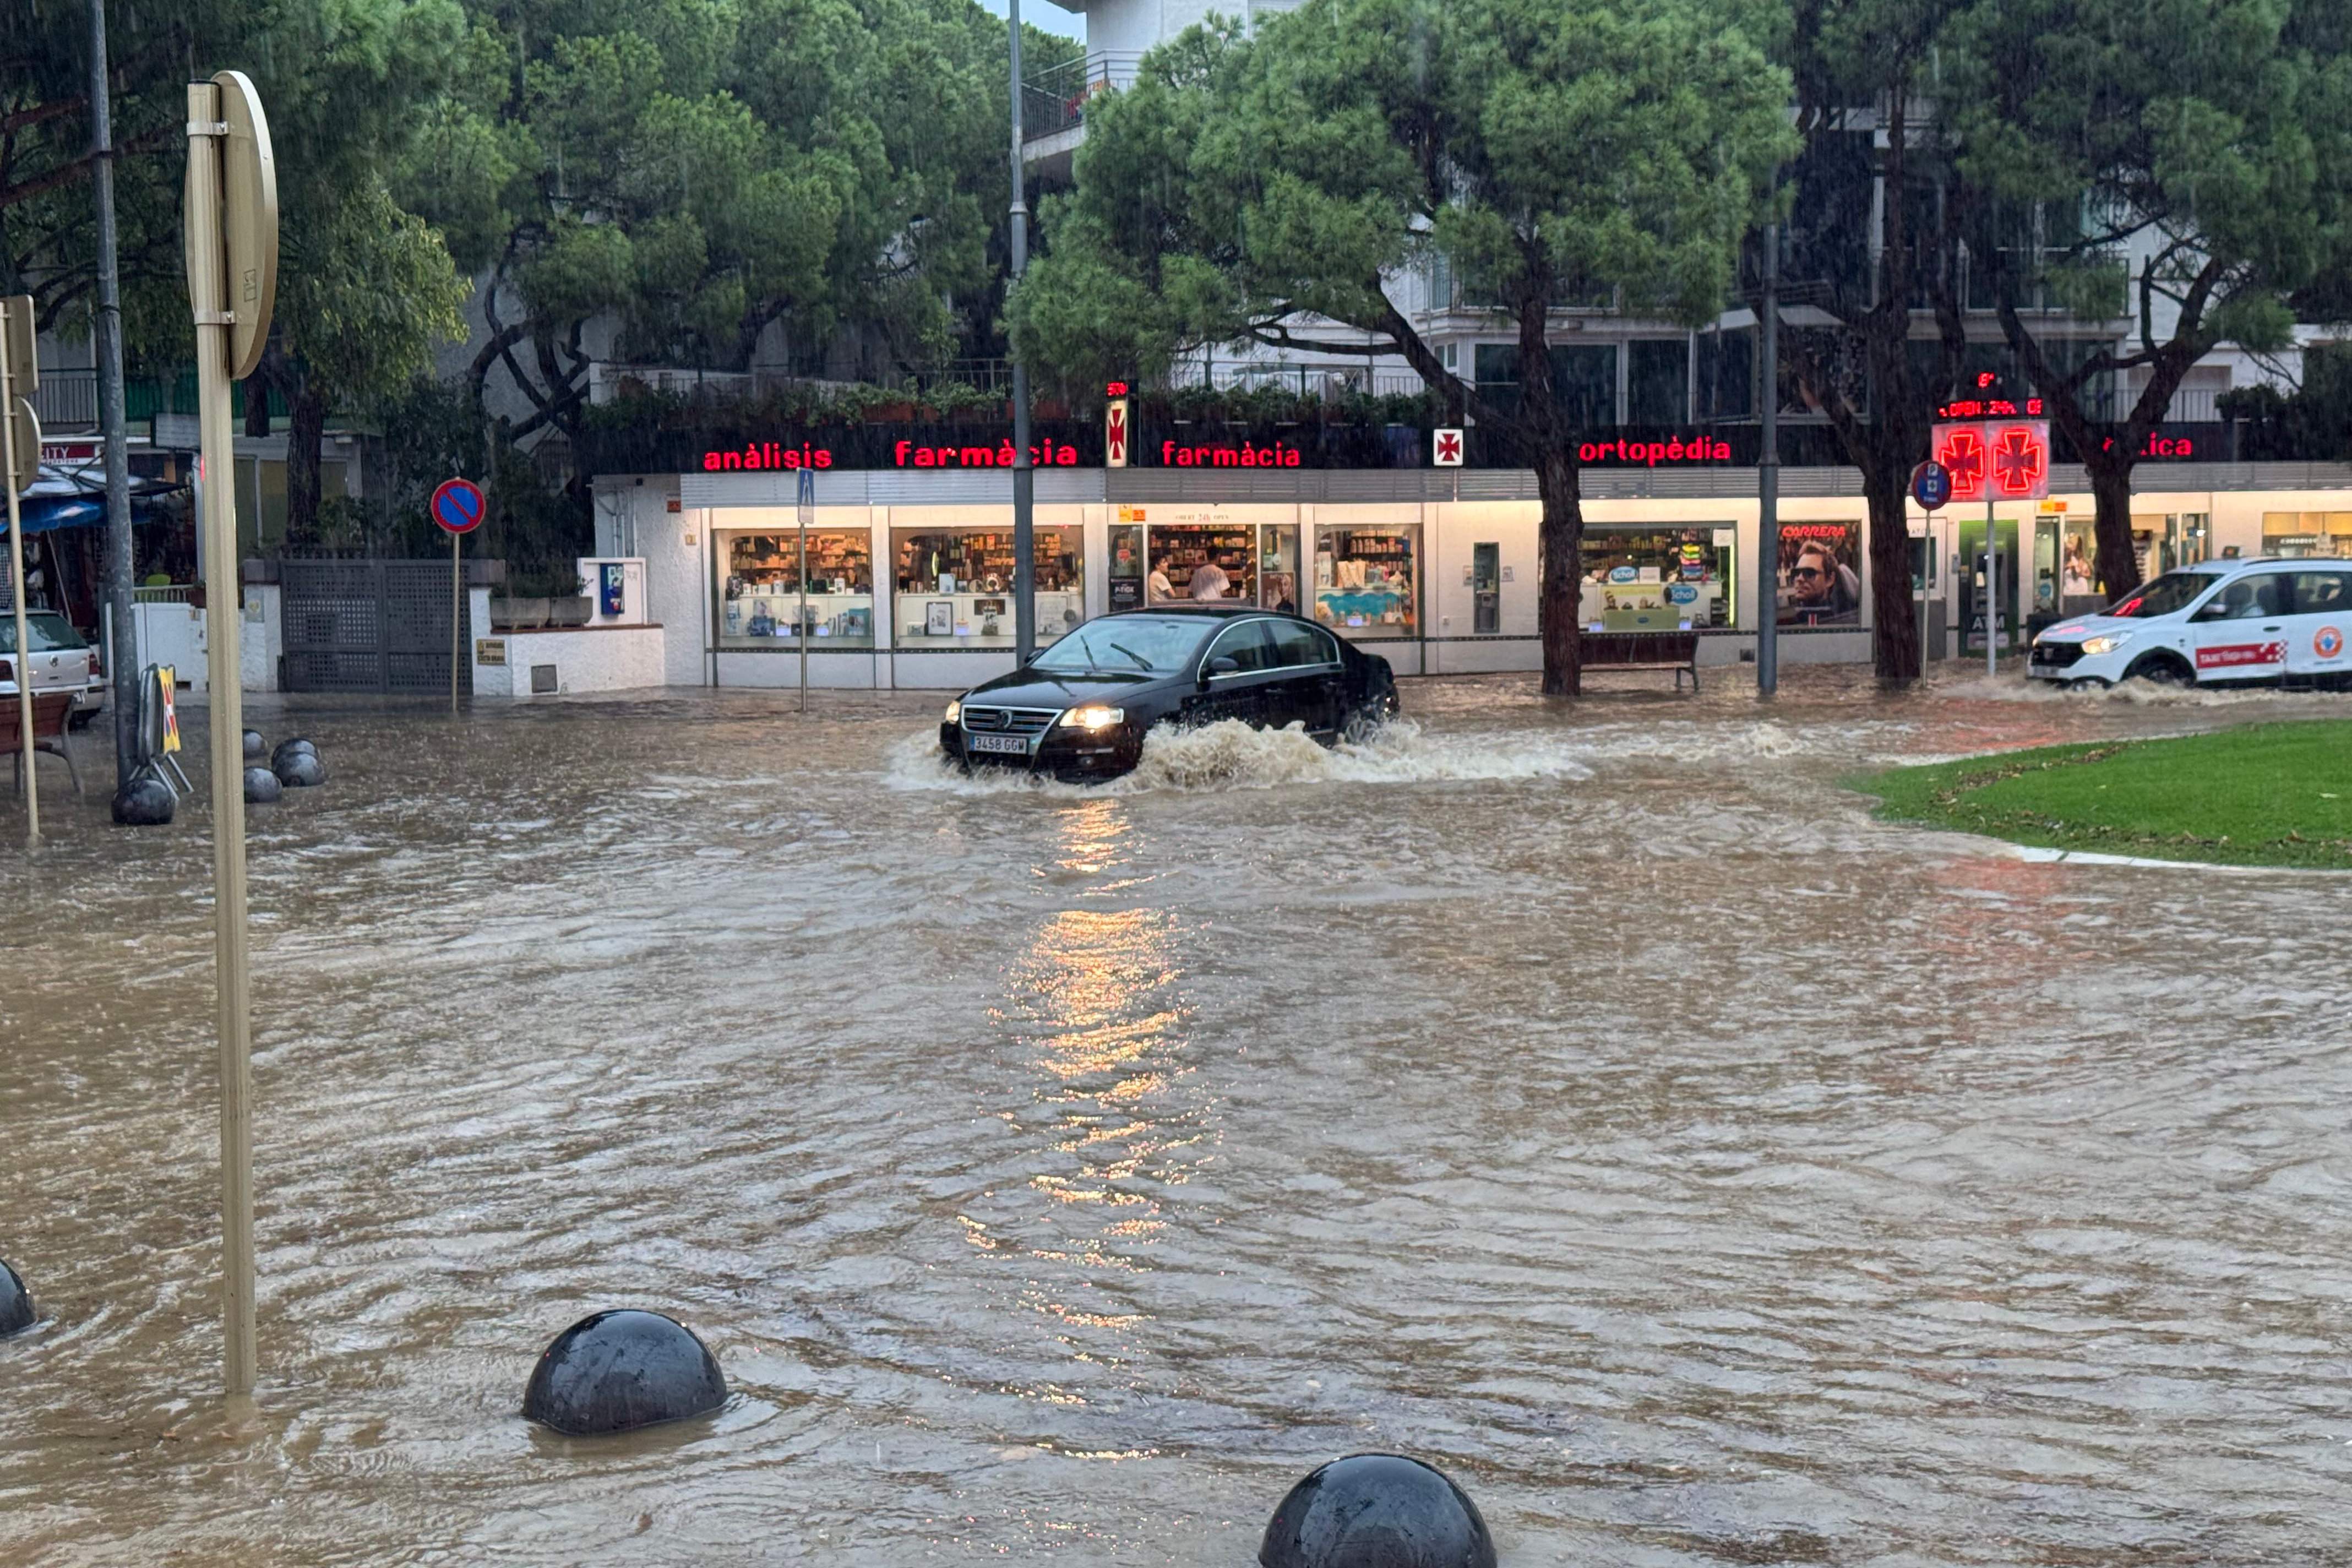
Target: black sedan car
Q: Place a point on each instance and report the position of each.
(1079, 710)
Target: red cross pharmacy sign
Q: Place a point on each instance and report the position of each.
(1115, 432)
(1445, 447)
(1996, 459)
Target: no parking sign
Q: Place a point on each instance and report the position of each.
(458, 507)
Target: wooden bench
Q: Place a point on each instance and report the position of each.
(51, 710)
(1678, 651)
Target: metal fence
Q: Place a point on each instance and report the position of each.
(1055, 100)
(357, 626)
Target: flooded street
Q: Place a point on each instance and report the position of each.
(1593, 1099)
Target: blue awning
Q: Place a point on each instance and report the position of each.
(43, 514)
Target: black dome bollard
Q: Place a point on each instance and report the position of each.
(288, 748)
(612, 1372)
(1376, 1510)
(262, 786)
(254, 745)
(145, 803)
(15, 1302)
(300, 769)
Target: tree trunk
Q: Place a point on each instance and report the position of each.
(1894, 613)
(2116, 561)
(307, 406)
(1559, 567)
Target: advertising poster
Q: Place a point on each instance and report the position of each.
(1818, 582)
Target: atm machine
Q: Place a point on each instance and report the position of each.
(1487, 589)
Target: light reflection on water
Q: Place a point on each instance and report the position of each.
(1593, 1099)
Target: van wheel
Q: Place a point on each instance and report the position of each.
(2162, 669)
(2088, 683)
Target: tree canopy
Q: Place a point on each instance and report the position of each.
(1280, 189)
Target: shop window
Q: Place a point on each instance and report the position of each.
(1657, 381)
(1727, 374)
(1278, 568)
(2303, 534)
(1818, 582)
(761, 601)
(1583, 380)
(1644, 577)
(954, 586)
(1206, 562)
(1367, 579)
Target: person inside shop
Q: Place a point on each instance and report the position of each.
(1158, 590)
(1210, 582)
(1821, 590)
(2076, 578)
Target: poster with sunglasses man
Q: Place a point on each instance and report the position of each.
(1818, 585)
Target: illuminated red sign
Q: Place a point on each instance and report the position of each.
(1988, 402)
(764, 456)
(2007, 458)
(1676, 449)
(1277, 455)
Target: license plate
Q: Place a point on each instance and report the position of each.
(1014, 745)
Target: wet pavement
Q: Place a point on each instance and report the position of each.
(1593, 1099)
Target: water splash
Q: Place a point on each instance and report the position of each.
(1230, 755)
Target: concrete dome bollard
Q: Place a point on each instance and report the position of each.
(300, 769)
(145, 803)
(262, 786)
(254, 745)
(15, 1302)
(612, 1371)
(288, 748)
(1376, 1511)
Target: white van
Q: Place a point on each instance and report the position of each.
(2223, 623)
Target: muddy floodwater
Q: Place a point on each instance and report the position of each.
(1593, 1099)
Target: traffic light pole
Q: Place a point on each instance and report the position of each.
(1025, 476)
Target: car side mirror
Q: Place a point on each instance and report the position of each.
(1220, 665)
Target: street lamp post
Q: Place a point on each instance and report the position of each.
(1025, 477)
(1768, 477)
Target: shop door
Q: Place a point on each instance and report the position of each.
(2319, 633)
(1252, 691)
(2240, 632)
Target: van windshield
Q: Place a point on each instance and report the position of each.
(2173, 591)
(1132, 645)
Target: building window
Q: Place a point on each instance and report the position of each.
(954, 586)
(1583, 380)
(1657, 381)
(1367, 579)
(2301, 534)
(1646, 577)
(1727, 374)
(761, 600)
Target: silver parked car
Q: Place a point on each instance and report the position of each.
(61, 660)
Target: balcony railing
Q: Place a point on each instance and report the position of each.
(1055, 100)
(67, 400)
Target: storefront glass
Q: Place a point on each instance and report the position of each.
(2305, 534)
(760, 597)
(1278, 568)
(1818, 581)
(1126, 564)
(1644, 576)
(1367, 579)
(1203, 560)
(954, 584)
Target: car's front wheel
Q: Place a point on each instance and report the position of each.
(2162, 669)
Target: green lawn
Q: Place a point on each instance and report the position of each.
(2268, 794)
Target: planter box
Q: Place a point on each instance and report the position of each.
(517, 615)
(571, 611)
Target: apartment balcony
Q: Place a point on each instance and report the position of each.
(1053, 107)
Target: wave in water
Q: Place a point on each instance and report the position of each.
(1230, 755)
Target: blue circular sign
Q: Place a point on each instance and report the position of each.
(1931, 484)
(458, 506)
(1681, 593)
(1623, 574)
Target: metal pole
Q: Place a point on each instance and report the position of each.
(122, 657)
(1025, 477)
(800, 627)
(456, 618)
(21, 667)
(207, 269)
(1767, 478)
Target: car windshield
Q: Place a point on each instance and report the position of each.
(1133, 644)
(50, 633)
(2173, 591)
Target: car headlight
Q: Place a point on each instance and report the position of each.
(1095, 716)
(2106, 643)
(955, 711)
